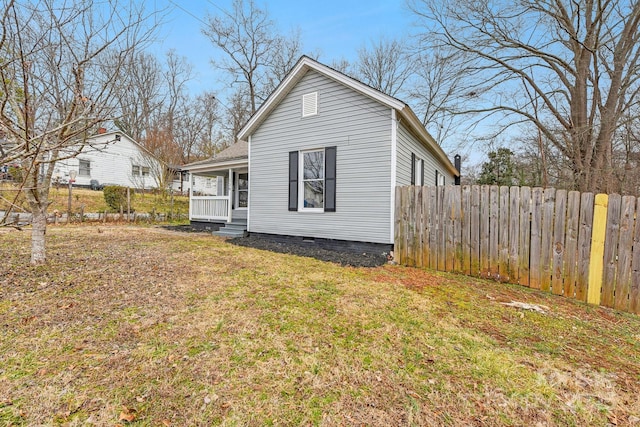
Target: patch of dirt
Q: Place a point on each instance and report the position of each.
(342, 257)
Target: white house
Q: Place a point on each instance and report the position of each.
(323, 157)
(112, 158)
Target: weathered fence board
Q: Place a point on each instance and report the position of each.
(634, 291)
(466, 230)
(611, 250)
(475, 227)
(536, 237)
(571, 245)
(484, 231)
(558, 244)
(625, 249)
(584, 245)
(514, 225)
(524, 238)
(578, 245)
(546, 238)
(503, 235)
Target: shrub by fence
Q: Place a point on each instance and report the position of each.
(573, 244)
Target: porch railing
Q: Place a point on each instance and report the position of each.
(209, 208)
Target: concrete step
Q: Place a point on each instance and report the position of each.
(235, 226)
(225, 232)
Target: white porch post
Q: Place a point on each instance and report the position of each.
(230, 204)
(190, 196)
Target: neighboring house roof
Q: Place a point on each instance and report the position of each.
(237, 153)
(304, 65)
(117, 136)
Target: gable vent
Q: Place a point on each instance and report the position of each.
(310, 104)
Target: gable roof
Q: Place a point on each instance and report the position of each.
(306, 64)
(236, 152)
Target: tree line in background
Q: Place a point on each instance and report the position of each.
(547, 88)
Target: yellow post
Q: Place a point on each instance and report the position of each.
(596, 262)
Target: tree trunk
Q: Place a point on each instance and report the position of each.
(39, 229)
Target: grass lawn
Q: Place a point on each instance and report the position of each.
(147, 327)
(93, 201)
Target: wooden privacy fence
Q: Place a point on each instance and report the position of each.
(573, 244)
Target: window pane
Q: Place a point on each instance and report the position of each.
(314, 194)
(243, 181)
(84, 168)
(145, 171)
(243, 197)
(314, 165)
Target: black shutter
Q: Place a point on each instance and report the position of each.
(437, 178)
(422, 181)
(293, 181)
(330, 179)
(413, 169)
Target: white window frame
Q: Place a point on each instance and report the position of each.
(238, 190)
(135, 170)
(87, 169)
(310, 99)
(418, 171)
(301, 181)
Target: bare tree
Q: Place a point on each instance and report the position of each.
(57, 77)
(578, 61)
(140, 95)
(385, 66)
(256, 55)
(437, 79)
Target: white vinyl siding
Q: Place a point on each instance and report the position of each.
(360, 129)
(407, 144)
(111, 162)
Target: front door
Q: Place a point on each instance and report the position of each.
(242, 191)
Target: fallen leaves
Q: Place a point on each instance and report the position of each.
(127, 414)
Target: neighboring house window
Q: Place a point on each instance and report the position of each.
(312, 180)
(310, 104)
(137, 170)
(417, 170)
(84, 168)
(439, 179)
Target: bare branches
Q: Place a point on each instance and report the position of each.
(576, 62)
(60, 63)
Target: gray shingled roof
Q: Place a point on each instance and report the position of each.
(239, 150)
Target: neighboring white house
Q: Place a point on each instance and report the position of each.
(323, 157)
(112, 158)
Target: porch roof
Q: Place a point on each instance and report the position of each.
(236, 155)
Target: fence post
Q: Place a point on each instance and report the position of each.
(596, 260)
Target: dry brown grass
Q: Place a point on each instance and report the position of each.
(143, 326)
(89, 201)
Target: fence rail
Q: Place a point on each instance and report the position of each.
(578, 245)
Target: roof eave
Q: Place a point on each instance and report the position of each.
(215, 166)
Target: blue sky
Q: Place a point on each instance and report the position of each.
(333, 28)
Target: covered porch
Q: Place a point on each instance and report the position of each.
(219, 190)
